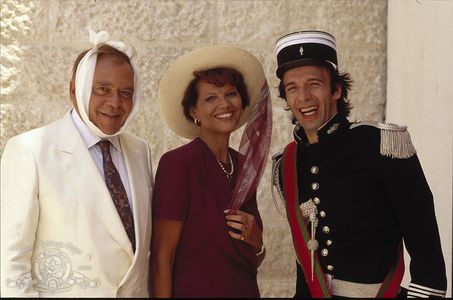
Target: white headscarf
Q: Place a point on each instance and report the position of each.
(84, 81)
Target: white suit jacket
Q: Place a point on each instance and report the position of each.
(61, 234)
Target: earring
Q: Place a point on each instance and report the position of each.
(196, 121)
(286, 107)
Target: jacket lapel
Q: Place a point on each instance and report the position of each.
(81, 171)
(137, 173)
(214, 179)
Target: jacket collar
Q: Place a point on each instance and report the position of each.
(77, 164)
(335, 126)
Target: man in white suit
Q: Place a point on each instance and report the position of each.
(75, 215)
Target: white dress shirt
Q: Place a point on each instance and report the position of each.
(91, 140)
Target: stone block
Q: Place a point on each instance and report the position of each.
(149, 125)
(38, 74)
(182, 21)
(250, 22)
(368, 70)
(24, 20)
(18, 118)
(152, 62)
(353, 22)
(277, 288)
(135, 21)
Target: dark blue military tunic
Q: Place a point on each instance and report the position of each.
(367, 203)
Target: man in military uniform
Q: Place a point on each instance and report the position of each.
(353, 191)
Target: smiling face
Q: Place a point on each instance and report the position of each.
(218, 108)
(310, 97)
(111, 98)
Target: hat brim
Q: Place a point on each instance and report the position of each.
(175, 81)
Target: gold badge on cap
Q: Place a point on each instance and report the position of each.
(301, 50)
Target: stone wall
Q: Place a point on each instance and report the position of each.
(41, 38)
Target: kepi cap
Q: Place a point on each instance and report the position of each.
(304, 48)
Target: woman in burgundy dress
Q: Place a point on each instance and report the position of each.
(207, 232)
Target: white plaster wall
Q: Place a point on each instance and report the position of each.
(41, 38)
(420, 94)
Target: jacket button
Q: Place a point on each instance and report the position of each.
(315, 186)
(322, 214)
(329, 242)
(330, 267)
(325, 229)
(324, 252)
(316, 200)
(314, 170)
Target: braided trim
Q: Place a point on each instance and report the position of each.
(275, 183)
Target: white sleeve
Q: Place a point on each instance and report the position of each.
(19, 218)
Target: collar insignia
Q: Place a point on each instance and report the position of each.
(333, 128)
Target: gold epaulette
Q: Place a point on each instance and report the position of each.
(395, 140)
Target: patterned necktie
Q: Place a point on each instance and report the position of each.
(117, 192)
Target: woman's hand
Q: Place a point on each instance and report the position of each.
(245, 223)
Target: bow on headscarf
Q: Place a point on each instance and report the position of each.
(84, 80)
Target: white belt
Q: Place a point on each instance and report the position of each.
(352, 289)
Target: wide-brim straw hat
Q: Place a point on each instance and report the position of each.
(175, 81)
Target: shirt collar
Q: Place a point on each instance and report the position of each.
(89, 138)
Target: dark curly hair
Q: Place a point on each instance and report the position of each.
(218, 77)
(336, 78)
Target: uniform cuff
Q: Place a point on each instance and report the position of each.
(420, 291)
